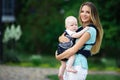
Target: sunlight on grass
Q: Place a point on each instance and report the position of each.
(111, 68)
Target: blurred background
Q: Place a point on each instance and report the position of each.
(29, 31)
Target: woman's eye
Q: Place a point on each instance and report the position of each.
(88, 12)
(82, 11)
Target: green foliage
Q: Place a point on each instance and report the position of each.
(43, 21)
(28, 60)
(12, 32)
(11, 56)
(36, 59)
(102, 64)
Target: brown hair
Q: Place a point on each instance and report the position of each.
(95, 21)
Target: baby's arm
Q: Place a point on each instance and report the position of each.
(80, 33)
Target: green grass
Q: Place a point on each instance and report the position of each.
(45, 61)
(36, 61)
(92, 77)
(102, 64)
(103, 77)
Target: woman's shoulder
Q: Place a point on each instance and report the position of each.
(92, 27)
(92, 30)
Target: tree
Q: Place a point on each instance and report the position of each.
(43, 21)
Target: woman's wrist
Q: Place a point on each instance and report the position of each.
(56, 56)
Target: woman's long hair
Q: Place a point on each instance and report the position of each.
(96, 21)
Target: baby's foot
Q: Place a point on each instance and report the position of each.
(71, 70)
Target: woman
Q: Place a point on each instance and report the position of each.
(87, 15)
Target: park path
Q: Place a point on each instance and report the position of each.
(25, 73)
(30, 73)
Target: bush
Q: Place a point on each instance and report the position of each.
(11, 56)
(35, 59)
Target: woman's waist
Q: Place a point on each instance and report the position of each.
(80, 60)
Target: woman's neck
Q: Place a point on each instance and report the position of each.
(85, 24)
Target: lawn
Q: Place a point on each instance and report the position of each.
(92, 77)
(45, 61)
(36, 61)
(27, 60)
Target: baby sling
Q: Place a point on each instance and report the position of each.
(61, 48)
(85, 53)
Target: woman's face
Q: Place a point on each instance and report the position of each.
(85, 14)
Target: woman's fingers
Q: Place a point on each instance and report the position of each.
(56, 56)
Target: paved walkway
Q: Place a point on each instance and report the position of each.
(30, 73)
(25, 73)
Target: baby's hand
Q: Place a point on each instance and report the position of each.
(87, 27)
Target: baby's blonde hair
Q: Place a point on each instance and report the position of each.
(69, 19)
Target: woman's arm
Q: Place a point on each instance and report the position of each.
(71, 51)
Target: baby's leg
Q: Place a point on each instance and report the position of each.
(70, 63)
(61, 70)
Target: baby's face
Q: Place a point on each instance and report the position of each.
(72, 25)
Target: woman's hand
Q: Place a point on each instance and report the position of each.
(71, 51)
(56, 55)
(62, 38)
(59, 57)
